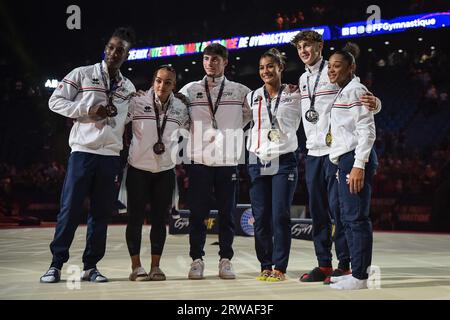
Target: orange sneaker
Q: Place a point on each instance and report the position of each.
(276, 276)
(264, 275)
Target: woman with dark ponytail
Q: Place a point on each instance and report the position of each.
(157, 117)
(351, 136)
(273, 165)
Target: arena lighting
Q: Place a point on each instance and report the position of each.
(399, 24)
(264, 39)
(350, 30)
(51, 83)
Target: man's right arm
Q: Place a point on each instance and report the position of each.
(63, 101)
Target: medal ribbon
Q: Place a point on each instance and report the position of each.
(213, 108)
(112, 88)
(273, 116)
(160, 128)
(312, 98)
(331, 110)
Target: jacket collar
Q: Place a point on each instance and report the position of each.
(119, 78)
(315, 68)
(158, 102)
(214, 81)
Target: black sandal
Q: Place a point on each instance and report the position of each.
(315, 275)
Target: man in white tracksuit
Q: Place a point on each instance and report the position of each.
(97, 98)
(217, 119)
(317, 96)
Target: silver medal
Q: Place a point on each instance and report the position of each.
(312, 116)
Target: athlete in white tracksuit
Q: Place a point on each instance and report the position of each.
(157, 119)
(318, 94)
(217, 119)
(97, 98)
(272, 168)
(351, 135)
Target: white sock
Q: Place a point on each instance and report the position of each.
(337, 279)
(350, 284)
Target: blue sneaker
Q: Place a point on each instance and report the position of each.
(93, 275)
(53, 275)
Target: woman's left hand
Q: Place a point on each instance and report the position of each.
(356, 180)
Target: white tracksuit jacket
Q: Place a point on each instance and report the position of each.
(325, 94)
(145, 134)
(352, 125)
(222, 147)
(288, 120)
(82, 89)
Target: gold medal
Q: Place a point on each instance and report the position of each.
(274, 135)
(329, 139)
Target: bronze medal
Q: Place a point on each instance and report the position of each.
(159, 148)
(111, 110)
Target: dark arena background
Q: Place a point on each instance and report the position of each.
(404, 63)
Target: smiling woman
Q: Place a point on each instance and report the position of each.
(351, 136)
(342, 64)
(273, 140)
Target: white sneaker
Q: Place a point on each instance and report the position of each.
(196, 271)
(350, 284)
(341, 278)
(226, 269)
